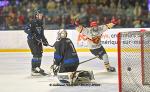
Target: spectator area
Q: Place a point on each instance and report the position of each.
(14, 14)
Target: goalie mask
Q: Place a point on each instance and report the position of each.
(62, 33)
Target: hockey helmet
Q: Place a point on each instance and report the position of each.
(62, 33)
(38, 14)
(37, 11)
(93, 24)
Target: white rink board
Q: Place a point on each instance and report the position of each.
(15, 67)
(18, 39)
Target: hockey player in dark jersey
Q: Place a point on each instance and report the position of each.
(36, 38)
(65, 55)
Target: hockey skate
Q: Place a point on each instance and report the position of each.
(38, 72)
(109, 68)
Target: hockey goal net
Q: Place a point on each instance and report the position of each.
(134, 61)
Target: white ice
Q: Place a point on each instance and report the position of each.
(15, 69)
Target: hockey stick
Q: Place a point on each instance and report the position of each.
(88, 60)
(55, 68)
(50, 45)
(42, 42)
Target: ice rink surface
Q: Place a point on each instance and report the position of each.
(15, 69)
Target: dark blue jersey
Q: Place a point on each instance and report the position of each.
(35, 30)
(65, 53)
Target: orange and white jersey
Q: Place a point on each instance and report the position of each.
(94, 37)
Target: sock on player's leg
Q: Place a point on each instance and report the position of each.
(35, 63)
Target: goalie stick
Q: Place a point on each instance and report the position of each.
(50, 45)
(55, 68)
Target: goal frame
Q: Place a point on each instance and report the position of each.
(120, 63)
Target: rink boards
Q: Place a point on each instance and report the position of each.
(16, 40)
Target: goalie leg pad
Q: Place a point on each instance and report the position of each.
(84, 77)
(68, 69)
(77, 77)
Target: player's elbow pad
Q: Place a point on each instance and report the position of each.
(79, 29)
(27, 29)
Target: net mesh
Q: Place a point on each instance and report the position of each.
(134, 61)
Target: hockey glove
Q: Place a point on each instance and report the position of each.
(75, 21)
(45, 43)
(115, 21)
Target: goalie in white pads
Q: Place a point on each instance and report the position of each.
(93, 34)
